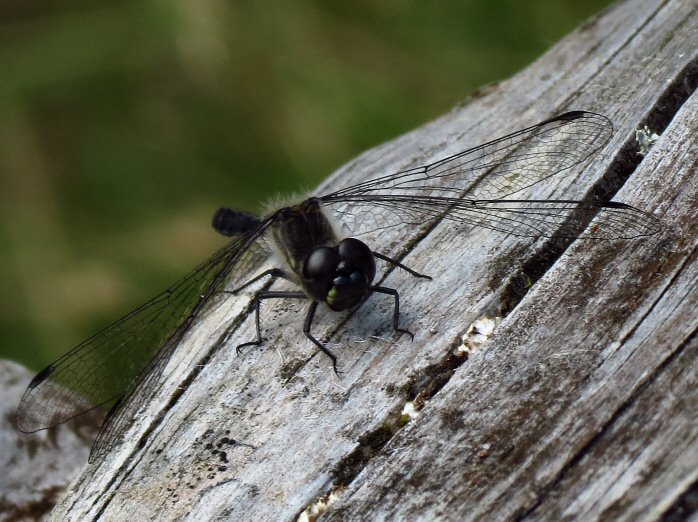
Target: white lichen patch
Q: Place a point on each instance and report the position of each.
(316, 510)
(410, 411)
(477, 334)
(645, 139)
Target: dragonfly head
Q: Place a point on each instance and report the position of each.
(340, 276)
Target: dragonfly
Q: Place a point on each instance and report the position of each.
(308, 240)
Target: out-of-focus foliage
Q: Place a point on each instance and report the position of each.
(124, 125)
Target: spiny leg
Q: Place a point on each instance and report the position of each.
(400, 265)
(396, 311)
(273, 272)
(306, 330)
(258, 300)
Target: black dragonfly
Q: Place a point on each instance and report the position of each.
(467, 188)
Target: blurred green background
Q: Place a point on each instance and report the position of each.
(124, 125)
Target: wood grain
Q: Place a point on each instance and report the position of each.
(582, 405)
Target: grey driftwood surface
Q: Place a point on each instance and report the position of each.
(584, 403)
(27, 489)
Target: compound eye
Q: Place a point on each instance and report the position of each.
(355, 252)
(321, 263)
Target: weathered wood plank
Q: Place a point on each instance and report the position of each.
(27, 490)
(525, 424)
(585, 405)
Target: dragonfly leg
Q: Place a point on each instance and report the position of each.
(396, 311)
(258, 301)
(273, 272)
(306, 330)
(400, 265)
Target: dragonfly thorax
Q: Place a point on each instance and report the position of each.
(337, 273)
(340, 276)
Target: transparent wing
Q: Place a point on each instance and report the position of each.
(489, 171)
(107, 369)
(529, 218)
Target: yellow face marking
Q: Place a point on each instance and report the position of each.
(331, 295)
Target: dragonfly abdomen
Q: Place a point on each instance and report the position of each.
(233, 222)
